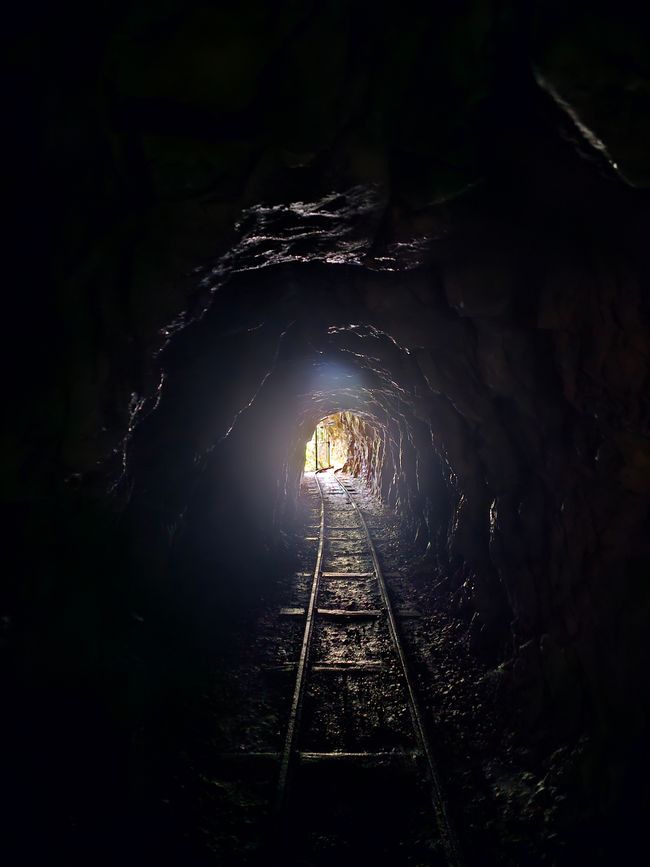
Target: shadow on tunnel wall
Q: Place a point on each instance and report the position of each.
(230, 224)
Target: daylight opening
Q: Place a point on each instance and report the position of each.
(328, 446)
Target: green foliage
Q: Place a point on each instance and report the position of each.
(333, 443)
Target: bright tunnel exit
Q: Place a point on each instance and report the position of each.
(328, 446)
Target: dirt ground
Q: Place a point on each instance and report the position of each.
(507, 801)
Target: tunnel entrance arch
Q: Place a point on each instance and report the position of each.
(329, 445)
(348, 441)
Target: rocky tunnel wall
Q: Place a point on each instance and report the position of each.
(487, 450)
(473, 200)
(228, 484)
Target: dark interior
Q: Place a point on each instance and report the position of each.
(229, 221)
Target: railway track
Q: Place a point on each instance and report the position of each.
(351, 633)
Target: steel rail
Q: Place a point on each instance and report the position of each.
(299, 689)
(447, 832)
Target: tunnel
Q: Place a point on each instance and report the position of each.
(326, 471)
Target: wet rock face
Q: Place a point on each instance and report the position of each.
(257, 218)
(589, 62)
(498, 424)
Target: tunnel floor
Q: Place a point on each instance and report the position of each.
(359, 790)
